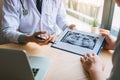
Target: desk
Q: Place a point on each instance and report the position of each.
(65, 65)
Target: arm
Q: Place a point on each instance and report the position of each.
(11, 25)
(61, 16)
(10, 21)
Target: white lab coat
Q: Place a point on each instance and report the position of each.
(14, 23)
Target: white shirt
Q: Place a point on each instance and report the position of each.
(14, 23)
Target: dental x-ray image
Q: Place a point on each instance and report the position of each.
(79, 42)
(79, 39)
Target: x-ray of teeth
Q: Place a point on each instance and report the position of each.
(78, 39)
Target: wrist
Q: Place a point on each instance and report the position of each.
(97, 75)
(22, 39)
(28, 38)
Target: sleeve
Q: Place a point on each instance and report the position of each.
(10, 21)
(62, 16)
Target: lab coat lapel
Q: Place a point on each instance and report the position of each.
(34, 6)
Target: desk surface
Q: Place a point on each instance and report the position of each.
(65, 65)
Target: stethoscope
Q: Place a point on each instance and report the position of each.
(25, 11)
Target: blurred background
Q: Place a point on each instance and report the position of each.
(100, 13)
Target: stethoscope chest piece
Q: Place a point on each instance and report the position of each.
(25, 12)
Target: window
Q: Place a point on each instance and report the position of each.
(105, 11)
(85, 10)
(115, 22)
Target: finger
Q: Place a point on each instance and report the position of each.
(104, 34)
(85, 56)
(89, 55)
(89, 60)
(107, 37)
(93, 54)
(52, 39)
(82, 59)
(48, 39)
(104, 30)
(43, 42)
(39, 41)
(41, 32)
(47, 36)
(72, 26)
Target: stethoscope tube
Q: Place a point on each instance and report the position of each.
(25, 11)
(22, 4)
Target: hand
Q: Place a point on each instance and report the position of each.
(72, 26)
(93, 66)
(46, 40)
(110, 43)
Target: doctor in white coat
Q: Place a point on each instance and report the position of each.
(22, 21)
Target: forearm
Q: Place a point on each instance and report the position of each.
(97, 75)
(11, 35)
(23, 39)
(61, 18)
(62, 24)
